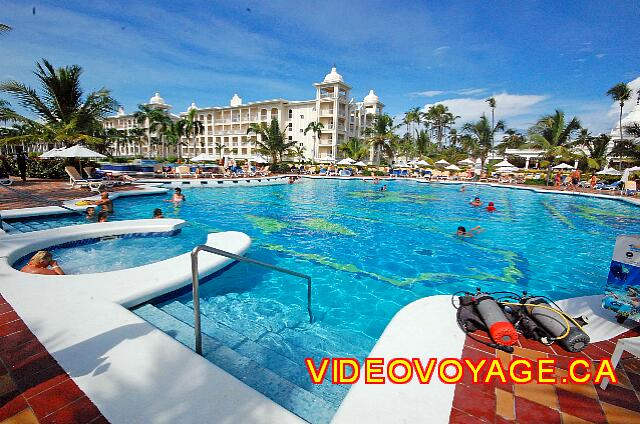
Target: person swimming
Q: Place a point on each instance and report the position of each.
(103, 216)
(157, 213)
(463, 188)
(177, 197)
(491, 207)
(476, 202)
(383, 188)
(462, 232)
(90, 213)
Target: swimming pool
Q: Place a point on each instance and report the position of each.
(370, 253)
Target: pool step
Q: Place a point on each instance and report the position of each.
(301, 402)
(266, 356)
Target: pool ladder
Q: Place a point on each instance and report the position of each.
(195, 284)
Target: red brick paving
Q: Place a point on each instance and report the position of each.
(560, 403)
(33, 386)
(56, 190)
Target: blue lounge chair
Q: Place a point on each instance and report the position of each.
(345, 173)
(322, 171)
(630, 188)
(403, 173)
(614, 186)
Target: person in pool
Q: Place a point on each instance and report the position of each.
(157, 213)
(90, 213)
(40, 263)
(491, 207)
(106, 205)
(383, 188)
(476, 202)
(463, 188)
(462, 232)
(103, 216)
(177, 197)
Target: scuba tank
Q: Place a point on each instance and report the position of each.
(551, 322)
(469, 321)
(498, 325)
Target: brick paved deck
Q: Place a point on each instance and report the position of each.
(33, 386)
(547, 403)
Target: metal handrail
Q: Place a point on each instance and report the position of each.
(195, 284)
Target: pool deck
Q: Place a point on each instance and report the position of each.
(83, 347)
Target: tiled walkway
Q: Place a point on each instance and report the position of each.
(545, 403)
(33, 387)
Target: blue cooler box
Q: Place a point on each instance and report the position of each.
(622, 293)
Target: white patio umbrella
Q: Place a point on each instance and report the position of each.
(51, 153)
(609, 171)
(563, 166)
(442, 162)
(625, 174)
(452, 168)
(360, 163)
(346, 161)
(422, 162)
(466, 162)
(204, 157)
(400, 165)
(258, 159)
(504, 164)
(76, 151)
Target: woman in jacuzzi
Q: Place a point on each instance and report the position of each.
(40, 263)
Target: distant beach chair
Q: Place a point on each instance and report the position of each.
(345, 173)
(603, 186)
(322, 171)
(183, 170)
(6, 181)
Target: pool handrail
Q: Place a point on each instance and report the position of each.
(195, 284)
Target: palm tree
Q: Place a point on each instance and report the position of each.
(597, 149)
(355, 148)
(380, 135)
(149, 118)
(440, 119)
(423, 143)
(173, 133)
(5, 28)
(492, 105)
(512, 139)
(220, 147)
(192, 127)
(139, 135)
(620, 93)
(62, 112)
(297, 152)
(316, 130)
(553, 135)
(479, 143)
(160, 125)
(271, 141)
(412, 116)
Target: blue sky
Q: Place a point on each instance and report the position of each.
(532, 56)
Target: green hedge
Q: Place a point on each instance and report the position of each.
(52, 169)
(541, 182)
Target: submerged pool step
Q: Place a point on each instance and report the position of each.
(292, 397)
(294, 371)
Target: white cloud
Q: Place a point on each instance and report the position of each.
(471, 91)
(600, 55)
(431, 93)
(440, 50)
(508, 106)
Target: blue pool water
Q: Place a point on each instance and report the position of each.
(370, 253)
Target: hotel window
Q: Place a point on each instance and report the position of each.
(301, 144)
(301, 130)
(290, 126)
(301, 116)
(290, 138)
(290, 113)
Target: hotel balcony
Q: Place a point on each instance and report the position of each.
(326, 112)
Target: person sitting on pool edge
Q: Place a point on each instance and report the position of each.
(40, 263)
(491, 207)
(462, 232)
(476, 202)
(90, 213)
(103, 216)
(157, 213)
(106, 205)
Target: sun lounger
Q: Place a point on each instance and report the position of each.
(631, 345)
(345, 173)
(630, 188)
(6, 181)
(183, 171)
(75, 180)
(614, 186)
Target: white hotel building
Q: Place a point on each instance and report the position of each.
(341, 116)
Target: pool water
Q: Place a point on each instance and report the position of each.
(370, 253)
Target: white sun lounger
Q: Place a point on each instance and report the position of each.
(631, 345)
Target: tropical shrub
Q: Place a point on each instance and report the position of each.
(41, 168)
